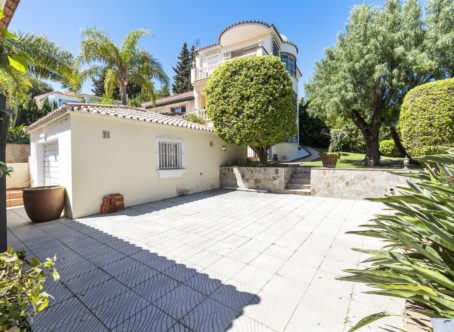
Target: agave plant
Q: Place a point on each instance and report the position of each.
(417, 260)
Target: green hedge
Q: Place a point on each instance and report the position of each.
(388, 148)
(427, 118)
(18, 135)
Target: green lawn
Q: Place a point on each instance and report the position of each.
(355, 160)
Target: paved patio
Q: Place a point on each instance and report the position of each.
(207, 262)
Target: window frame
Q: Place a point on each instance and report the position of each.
(182, 109)
(168, 173)
(292, 58)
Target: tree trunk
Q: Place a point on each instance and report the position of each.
(372, 149)
(397, 142)
(4, 123)
(124, 94)
(262, 153)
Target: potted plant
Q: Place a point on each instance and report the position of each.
(44, 203)
(329, 159)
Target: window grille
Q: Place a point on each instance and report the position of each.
(170, 155)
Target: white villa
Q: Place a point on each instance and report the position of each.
(247, 38)
(63, 97)
(143, 153)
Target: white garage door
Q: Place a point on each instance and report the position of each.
(51, 164)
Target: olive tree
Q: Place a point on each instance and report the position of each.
(252, 103)
(382, 54)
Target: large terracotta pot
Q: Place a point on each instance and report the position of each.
(44, 203)
(329, 160)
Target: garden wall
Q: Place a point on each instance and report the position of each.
(19, 177)
(354, 183)
(273, 179)
(17, 153)
(17, 158)
(339, 183)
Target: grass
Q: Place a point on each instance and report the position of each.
(355, 160)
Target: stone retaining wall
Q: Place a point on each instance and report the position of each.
(273, 179)
(355, 183)
(340, 183)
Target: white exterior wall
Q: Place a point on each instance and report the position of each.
(285, 151)
(127, 163)
(59, 130)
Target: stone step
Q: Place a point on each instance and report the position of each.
(305, 192)
(14, 202)
(301, 175)
(305, 180)
(13, 194)
(298, 186)
(302, 170)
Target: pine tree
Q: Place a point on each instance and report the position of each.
(182, 78)
(164, 92)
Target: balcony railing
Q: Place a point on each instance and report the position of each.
(203, 73)
(201, 113)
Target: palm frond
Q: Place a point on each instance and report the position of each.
(110, 82)
(130, 44)
(417, 262)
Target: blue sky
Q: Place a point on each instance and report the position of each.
(312, 24)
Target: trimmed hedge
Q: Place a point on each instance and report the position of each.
(388, 148)
(427, 118)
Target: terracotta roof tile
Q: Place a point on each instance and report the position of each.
(121, 112)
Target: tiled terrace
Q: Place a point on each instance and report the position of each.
(206, 262)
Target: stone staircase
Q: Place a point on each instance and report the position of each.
(300, 182)
(14, 198)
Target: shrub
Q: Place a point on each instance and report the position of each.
(194, 118)
(337, 141)
(388, 148)
(21, 289)
(252, 103)
(18, 135)
(427, 118)
(416, 262)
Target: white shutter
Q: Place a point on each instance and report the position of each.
(51, 164)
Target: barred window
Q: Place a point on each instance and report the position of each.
(170, 154)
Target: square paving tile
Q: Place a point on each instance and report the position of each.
(180, 301)
(210, 316)
(156, 287)
(120, 308)
(149, 319)
(66, 312)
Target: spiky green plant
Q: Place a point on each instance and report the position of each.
(125, 63)
(417, 260)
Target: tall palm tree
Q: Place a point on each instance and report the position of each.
(123, 64)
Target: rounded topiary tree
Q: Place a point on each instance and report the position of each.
(427, 118)
(252, 103)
